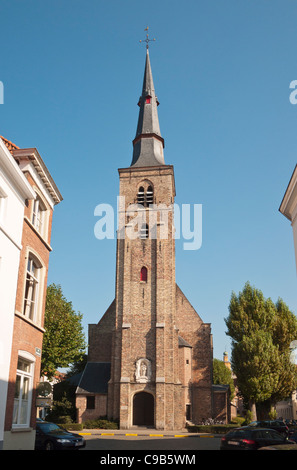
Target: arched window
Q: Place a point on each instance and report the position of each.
(143, 274)
(145, 197)
(23, 390)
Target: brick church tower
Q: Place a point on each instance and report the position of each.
(150, 355)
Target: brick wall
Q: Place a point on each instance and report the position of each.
(198, 335)
(84, 414)
(25, 338)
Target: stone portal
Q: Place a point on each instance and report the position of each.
(143, 409)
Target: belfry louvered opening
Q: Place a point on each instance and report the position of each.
(145, 197)
(149, 195)
(140, 195)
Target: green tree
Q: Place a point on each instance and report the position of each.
(223, 376)
(78, 366)
(284, 332)
(248, 312)
(63, 340)
(62, 412)
(261, 333)
(254, 364)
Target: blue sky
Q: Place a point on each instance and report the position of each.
(72, 72)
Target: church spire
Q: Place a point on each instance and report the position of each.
(148, 143)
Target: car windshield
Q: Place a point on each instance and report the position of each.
(49, 427)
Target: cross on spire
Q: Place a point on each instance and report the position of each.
(147, 40)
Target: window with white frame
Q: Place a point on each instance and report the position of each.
(23, 392)
(32, 288)
(39, 215)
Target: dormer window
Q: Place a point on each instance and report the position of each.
(148, 100)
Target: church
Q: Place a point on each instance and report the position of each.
(150, 355)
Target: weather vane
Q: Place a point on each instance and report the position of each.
(147, 40)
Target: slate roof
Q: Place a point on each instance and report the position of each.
(220, 388)
(148, 143)
(183, 343)
(94, 378)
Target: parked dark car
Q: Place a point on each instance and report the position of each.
(293, 436)
(277, 425)
(252, 438)
(290, 422)
(50, 436)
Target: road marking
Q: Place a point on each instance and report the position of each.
(205, 436)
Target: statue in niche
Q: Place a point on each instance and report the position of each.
(143, 370)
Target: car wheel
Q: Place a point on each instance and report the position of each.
(49, 445)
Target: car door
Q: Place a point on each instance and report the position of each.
(260, 437)
(273, 437)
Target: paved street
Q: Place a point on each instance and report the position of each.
(151, 440)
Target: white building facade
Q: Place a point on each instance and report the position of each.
(14, 192)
